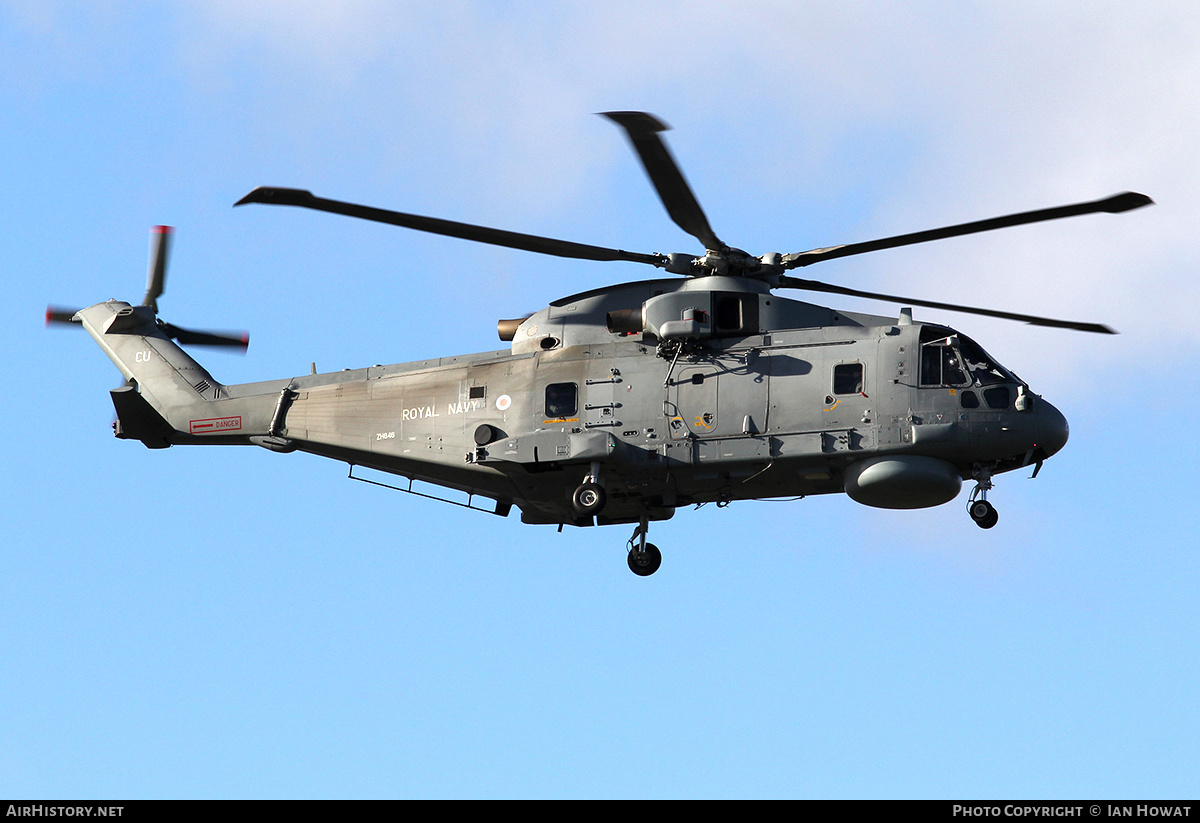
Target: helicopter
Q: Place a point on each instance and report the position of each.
(621, 404)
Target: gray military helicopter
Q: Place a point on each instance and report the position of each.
(623, 403)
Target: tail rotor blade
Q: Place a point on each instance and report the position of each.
(198, 337)
(60, 314)
(160, 242)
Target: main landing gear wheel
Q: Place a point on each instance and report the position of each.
(984, 514)
(645, 562)
(589, 499)
(644, 558)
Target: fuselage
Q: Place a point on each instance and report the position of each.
(727, 392)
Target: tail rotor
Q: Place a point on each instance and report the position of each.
(156, 277)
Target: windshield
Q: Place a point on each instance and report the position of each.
(982, 368)
(951, 359)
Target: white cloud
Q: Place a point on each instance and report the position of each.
(976, 110)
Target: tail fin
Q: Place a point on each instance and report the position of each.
(167, 389)
(168, 397)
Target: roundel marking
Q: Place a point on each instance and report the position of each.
(503, 402)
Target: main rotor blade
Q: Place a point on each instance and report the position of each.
(1126, 201)
(449, 228)
(197, 337)
(673, 190)
(816, 285)
(160, 243)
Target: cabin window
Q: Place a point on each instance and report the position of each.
(848, 378)
(969, 399)
(562, 399)
(477, 392)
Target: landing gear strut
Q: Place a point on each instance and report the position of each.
(982, 512)
(644, 558)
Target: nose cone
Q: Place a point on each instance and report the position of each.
(1052, 428)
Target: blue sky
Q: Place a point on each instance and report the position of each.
(236, 623)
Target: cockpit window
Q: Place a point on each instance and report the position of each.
(940, 361)
(997, 397)
(950, 359)
(983, 369)
(940, 366)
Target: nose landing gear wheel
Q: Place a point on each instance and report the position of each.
(984, 514)
(981, 511)
(646, 562)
